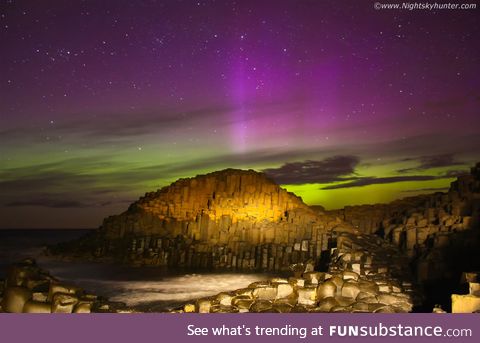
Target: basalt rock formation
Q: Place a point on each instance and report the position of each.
(232, 219)
(237, 219)
(30, 289)
(364, 275)
(439, 232)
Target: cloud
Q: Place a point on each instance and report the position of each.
(125, 123)
(421, 145)
(429, 162)
(99, 128)
(373, 180)
(455, 173)
(47, 185)
(64, 201)
(52, 203)
(332, 169)
(435, 189)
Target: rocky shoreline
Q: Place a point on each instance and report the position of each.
(440, 233)
(30, 289)
(364, 275)
(375, 258)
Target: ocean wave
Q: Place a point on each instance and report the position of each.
(177, 288)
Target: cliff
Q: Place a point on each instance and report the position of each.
(226, 219)
(439, 232)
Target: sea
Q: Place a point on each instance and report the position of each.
(146, 289)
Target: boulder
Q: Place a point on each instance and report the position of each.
(14, 298)
(245, 291)
(357, 268)
(265, 293)
(438, 309)
(32, 306)
(223, 309)
(344, 301)
(388, 299)
(314, 278)
(284, 290)
(258, 284)
(368, 287)
(40, 296)
(326, 304)
(299, 309)
(217, 308)
(348, 275)
(290, 300)
(225, 299)
(373, 307)
(384, 288)
(326, 289)
(261, 306)
(281, 307)
(402, 306)
(279, 280)
(307, 296)
(350, 289)
(189, 308)
(204, 305)
(368, 300)
(465, 303)
(63, 302)
(243, 304)
(61, 288)
(83, 307)
(296, 282)
(474, 288)
(338, 281)
(360, 307)
(364, 295)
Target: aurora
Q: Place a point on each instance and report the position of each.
(341, 104)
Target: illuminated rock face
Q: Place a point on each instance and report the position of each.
(465, 303)
(365, 275)
(440, 233)
(429, 228)
(213, 207)
(232, 219)
(371, 218)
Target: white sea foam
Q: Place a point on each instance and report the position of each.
(171, 289)
(169, 292)
(147, 288)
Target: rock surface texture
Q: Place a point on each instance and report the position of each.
(241, 220)
(231, 219)
(30, 289)
(439, 232)
(364, 275)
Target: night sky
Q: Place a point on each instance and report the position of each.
(101, 101)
